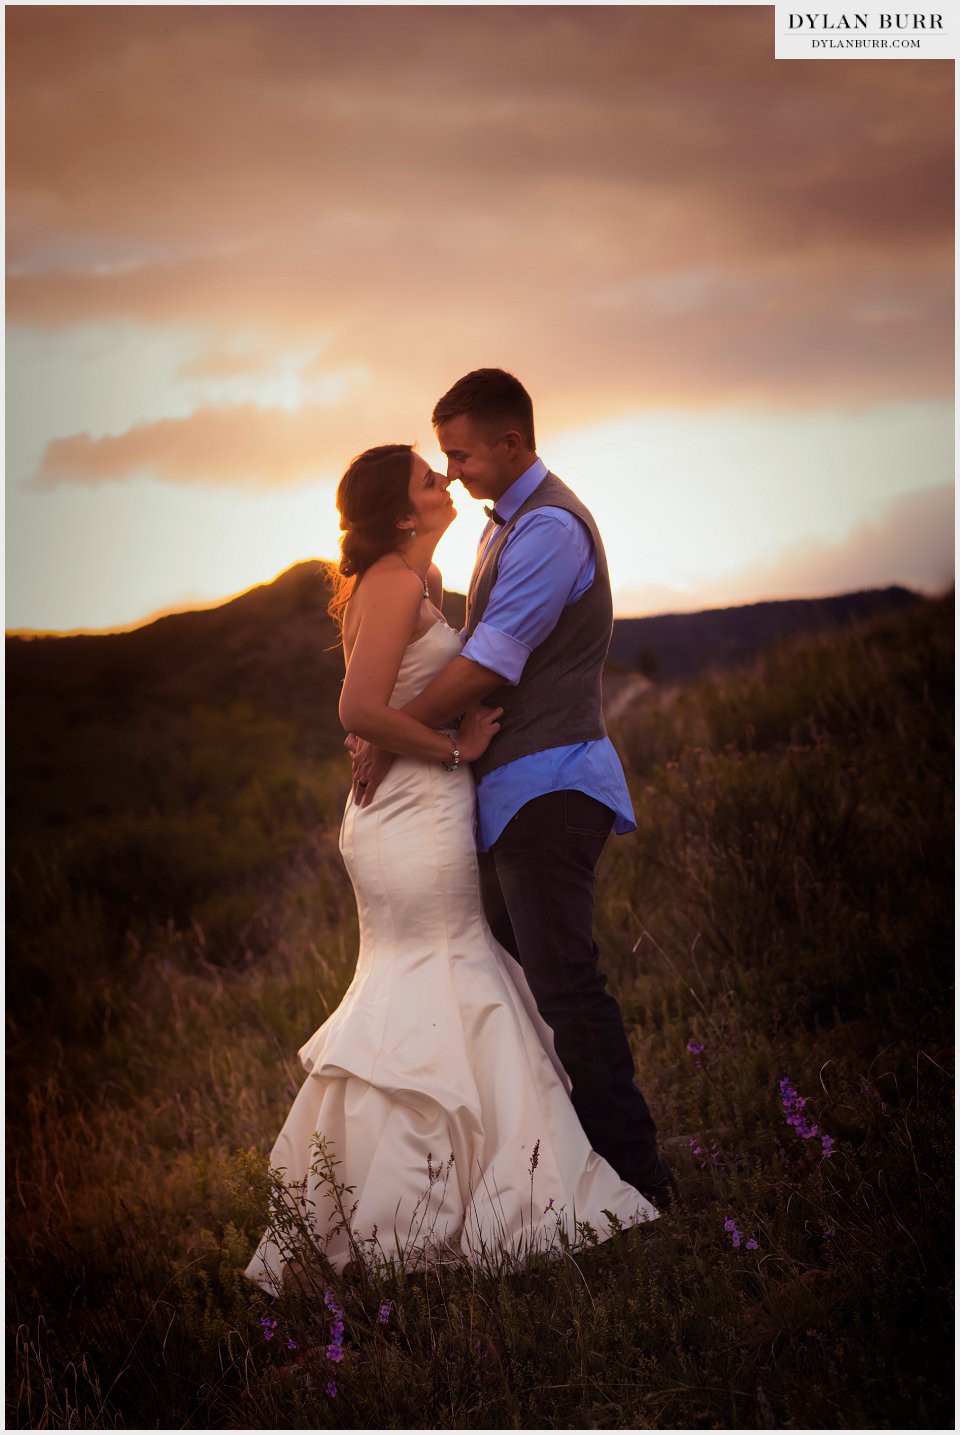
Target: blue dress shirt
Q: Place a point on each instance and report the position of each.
(546, 563)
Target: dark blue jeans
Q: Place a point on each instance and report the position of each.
(537, 883)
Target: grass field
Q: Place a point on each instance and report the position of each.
(783, 915)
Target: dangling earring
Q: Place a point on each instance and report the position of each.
(413, 533)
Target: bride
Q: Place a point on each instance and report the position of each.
(435, 1085)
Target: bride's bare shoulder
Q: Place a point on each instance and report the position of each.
(385, 581)
(388, 587)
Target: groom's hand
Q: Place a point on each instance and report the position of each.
(370, 766)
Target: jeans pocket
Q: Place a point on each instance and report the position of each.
(586, 816)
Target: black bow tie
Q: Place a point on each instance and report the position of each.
(492, 513)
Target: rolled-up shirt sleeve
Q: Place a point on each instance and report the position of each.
(538, 572)
(497, 651)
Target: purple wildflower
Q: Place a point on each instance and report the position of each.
(695, 1048)
(332, 1389)
(701, 1156)
(829, 1230)
(291, 1345)
(793, 1114)
(335, 1349)
(793, 1111)
(269, 1326)
(549, 1205)
(736, 1235)
(383, 1315)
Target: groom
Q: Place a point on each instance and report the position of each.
(550, 787)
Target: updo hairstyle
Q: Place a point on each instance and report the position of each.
(372, 496)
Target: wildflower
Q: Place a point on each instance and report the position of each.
(695, 1048)
(332, 1389)
(291, 1345)
(549, 1205)
(735, 1235)
(335, 1348)
(793, 1114)
(383, 1315)
(269, 1326)
(829, 1230)
(701, 1156)
(793, 1111)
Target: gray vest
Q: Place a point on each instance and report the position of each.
(557, 701)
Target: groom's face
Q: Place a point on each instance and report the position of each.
(482, 466)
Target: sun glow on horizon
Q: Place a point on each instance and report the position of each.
(696, 510)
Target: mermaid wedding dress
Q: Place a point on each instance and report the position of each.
(435, 1083)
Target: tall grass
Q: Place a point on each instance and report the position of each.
(784, 912)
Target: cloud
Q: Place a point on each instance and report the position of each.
(209, 123)
(238, 445)
(910, 542)
(629, 205)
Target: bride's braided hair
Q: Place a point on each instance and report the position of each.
(372, 496)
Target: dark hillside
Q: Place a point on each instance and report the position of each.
(90, 716)
(674, 647)
(271, 645)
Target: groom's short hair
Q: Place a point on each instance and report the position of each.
(491, 397)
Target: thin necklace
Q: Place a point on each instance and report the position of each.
(426, 590)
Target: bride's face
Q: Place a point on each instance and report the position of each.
(431, 506)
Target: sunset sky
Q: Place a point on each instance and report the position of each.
(243, 244)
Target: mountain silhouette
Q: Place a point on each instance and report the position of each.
(675, 647)
(275, 647)
(92, 718)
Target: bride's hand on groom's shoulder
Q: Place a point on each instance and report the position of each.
(370, 766)
(477, 731)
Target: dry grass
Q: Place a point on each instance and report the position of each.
(786, 905)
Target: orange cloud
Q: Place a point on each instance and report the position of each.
(240, 445)
(176, 125)
(628, 206)
(910, 542)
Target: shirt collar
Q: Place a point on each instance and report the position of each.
(520, 490)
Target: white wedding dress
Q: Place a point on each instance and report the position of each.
(436, 1051)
